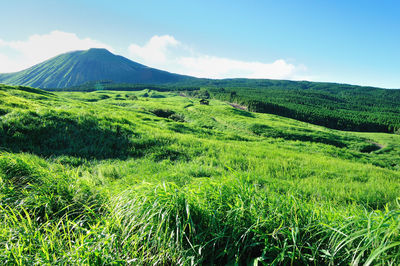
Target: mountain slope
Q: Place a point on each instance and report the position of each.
(78, 67)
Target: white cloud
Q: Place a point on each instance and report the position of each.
(7, 64)
(165, 52)
(217, 67)
(155, 51)
(42, 47)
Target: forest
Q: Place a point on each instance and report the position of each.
(337, 106)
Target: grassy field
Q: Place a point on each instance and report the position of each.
(151, 177)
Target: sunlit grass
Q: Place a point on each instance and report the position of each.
(130, 187)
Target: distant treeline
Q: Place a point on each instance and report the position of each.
(338, 106)
(108, 85)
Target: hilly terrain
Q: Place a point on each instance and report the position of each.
(78, 67)
(154, 177)
(333, 105)
(337, 106)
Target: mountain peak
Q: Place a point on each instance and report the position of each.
(79, 67)
(98, 50)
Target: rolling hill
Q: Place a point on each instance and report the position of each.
(333, 105)
(78, 67)
(154, 178)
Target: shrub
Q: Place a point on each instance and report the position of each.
(165, 113)
(26, 183)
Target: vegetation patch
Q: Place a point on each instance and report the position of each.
(27, 186)
(267, 131)
(26, 89)
(165, 113)
(337, 106)
(106, 182)
(63, 133)
(168, 153)
(370, 147)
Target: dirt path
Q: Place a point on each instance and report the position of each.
(238, 106)
(373, 147)
(381, 146)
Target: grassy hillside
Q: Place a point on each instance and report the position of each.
(147, 177)
(337, 106)
(78, 67)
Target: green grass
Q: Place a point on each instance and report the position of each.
(120, 178)
(337, 106)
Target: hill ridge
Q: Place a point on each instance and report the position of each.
(78, 67)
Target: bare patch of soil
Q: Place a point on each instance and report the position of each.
(238, 106)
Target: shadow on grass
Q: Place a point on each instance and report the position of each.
(27, 89)
(55, 134)
(242, 113)
(321, 137)
(79, 136)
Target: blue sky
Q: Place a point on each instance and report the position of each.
(355, 42)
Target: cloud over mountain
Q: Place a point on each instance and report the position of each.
(166, 52)
(160, 51)
(37, 48)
